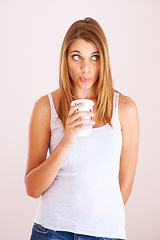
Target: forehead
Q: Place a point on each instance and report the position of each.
(83, 46)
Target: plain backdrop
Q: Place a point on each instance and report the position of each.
(31, 34)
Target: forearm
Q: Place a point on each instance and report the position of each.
(39, 179)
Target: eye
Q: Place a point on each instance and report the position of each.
(76, 57)
(95, 57)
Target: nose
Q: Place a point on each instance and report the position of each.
(85, 68)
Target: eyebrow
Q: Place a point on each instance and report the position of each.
(80, 52)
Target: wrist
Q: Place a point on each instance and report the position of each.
(65, 145)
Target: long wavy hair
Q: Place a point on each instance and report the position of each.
(88, 30)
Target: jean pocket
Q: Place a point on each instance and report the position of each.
(40, 229)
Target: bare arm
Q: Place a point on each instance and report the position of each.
(41, 172)
(130, 142)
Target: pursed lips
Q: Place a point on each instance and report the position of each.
(84, 79)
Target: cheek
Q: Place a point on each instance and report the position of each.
(72, 68)
(97, 68)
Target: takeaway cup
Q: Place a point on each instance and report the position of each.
(87, 107)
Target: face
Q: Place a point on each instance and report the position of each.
(84, 64)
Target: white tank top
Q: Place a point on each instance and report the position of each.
(85, 196)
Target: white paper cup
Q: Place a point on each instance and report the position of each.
(87, 107)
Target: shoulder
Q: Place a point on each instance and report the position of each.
(127, 110)
(43, 104)
(126, 103)
(42, 108)
(41, 113)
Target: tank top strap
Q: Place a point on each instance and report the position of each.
(51, 106)
(55, 121)
(115, 110)
(54, 115)
(115, 102)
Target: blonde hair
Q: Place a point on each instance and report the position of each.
(89, 30)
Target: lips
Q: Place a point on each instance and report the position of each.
(84, 79)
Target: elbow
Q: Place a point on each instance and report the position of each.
(30, 189)
(126, 189)
(32, 194)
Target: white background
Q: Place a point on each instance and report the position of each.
(31, 34)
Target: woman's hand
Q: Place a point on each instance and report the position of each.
(74, 124)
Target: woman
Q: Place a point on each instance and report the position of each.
(86, 181)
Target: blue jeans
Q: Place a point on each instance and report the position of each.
(41, 233)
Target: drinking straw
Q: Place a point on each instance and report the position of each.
(85, 89)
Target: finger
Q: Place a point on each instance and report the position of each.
(74, 108)
(81, 114)
(81, 121)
